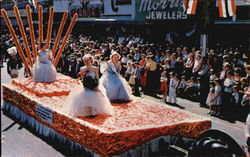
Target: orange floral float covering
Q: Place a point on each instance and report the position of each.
(60, 87)
(131, 125)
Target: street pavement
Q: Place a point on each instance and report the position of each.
(20, 141)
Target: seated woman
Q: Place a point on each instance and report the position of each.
(89, 99)
(117, 88)
(44, 70)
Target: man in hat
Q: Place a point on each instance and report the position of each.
(204, 73)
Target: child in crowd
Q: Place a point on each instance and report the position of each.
(172, 88)
(213, 75)
(164, 87)
(243, 85)
(236, 100)
(217, 98)
(211, 98)
(182, 86)
(132, 75)
(137, 75)
(245, 103)
(128, 71)
(192, 89)
(199, 82)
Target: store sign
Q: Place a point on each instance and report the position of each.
(86, 8)
(160, 10)
(87, 12)
(118, 7)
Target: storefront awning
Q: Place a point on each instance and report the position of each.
(232, 22)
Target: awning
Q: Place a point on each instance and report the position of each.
(110, 21)
(232, 22)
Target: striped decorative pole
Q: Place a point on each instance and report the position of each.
(72, 23)
(32, 34)
(24, 36)
(50, 24)
(18, 46)
(58, 36)
(40, 26)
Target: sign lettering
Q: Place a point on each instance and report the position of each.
(44, 113)
(160, 10)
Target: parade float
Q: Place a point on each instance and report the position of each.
(137, 128)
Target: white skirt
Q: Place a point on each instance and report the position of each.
(44, 72)
(209, 101)
(85, 102)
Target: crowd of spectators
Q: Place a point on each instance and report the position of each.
(219, 79)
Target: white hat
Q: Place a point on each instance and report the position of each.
(115, 53)
(12, 51)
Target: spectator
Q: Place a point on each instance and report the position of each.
(182, 86)
(179, 65)
(227, 94)
(217, 98)
(204, 86)
(211, 98)
(173, 84)
(14, 63)
(236, 100)
(247, 69)
(226, 67)
(129, 71)
(197, 64)
(151, 79)
(164, 88)
(189, 66)
(131, 79)
(143, 71)
(137, 76)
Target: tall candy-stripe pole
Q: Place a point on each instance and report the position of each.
(13, 34)
(25, 41)
(31, 28)
(50, 24)
(72, 23)
(58, 36)
(40, 26)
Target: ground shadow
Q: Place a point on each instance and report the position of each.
(63, 148)
(176, 105)
(10, 126)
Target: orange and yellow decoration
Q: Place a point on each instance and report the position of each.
(27, 58)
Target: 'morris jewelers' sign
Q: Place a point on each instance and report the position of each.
(160, 10)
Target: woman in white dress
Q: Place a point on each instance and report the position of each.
(44, 70)
(89, 99)
(118, 90)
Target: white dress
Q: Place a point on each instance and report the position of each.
(86, 102)
(116, 86)
(218, 99)
(210, 97)
(43, 69)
